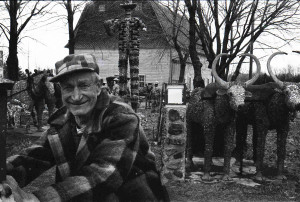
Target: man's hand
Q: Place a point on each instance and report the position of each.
(10, 191)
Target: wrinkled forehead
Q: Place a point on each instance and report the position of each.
(236, 89)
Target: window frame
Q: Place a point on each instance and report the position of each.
(144, 81)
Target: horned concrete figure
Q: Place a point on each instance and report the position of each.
(270, 107)
(214, 107)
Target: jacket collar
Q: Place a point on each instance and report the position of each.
(62, 115)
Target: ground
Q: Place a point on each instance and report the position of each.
(195, 190)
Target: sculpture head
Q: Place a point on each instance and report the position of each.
(235, 90)
(290, 90)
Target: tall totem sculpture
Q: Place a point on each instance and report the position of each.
(129, 45)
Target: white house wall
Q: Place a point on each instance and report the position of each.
(154, 63)
(205, 72)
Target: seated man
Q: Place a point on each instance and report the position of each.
(96, 142)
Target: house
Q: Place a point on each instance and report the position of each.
(158, 60)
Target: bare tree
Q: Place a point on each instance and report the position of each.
(192, 7)
(178, 34)
(71, 7)
(20, 14)
(232, 26)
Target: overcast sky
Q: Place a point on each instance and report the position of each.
(51, 39)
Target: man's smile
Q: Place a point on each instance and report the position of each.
(78, 103)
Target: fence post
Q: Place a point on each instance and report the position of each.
(5, 85)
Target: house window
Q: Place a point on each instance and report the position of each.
(142, 80)
(101, 8)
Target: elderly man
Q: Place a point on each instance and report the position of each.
(96, 142)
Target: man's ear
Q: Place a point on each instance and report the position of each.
(221, 92)
(248, 94)
(99, 85)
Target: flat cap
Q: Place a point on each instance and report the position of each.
(75, 63)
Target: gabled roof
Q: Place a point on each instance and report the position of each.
(90, 32)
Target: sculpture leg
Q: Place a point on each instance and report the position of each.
(189, 153)
(123, 63)
(282, 133)
(39, 107)
(32, 114)
(134, 71)
(50, 105)
(260, 132)
(241, 141)
(134, 76)
(209, 135)
(254, 142)
(228, 147)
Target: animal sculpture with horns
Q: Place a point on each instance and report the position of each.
(214, 108)
(271, 107)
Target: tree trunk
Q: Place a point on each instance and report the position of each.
(12, 60)
(182, 59)
(71, 28)
(182, 71)
(198, 81)
(238, 67)
(237, 70)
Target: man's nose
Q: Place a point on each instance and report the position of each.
(76, 94)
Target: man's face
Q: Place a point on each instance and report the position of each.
(79, 93)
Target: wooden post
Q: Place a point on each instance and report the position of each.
(5, 85)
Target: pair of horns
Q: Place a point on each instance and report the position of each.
(226, 84)
(274, 77)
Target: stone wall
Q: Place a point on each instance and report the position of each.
(173, 143)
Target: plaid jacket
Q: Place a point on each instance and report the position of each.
(111, 153)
